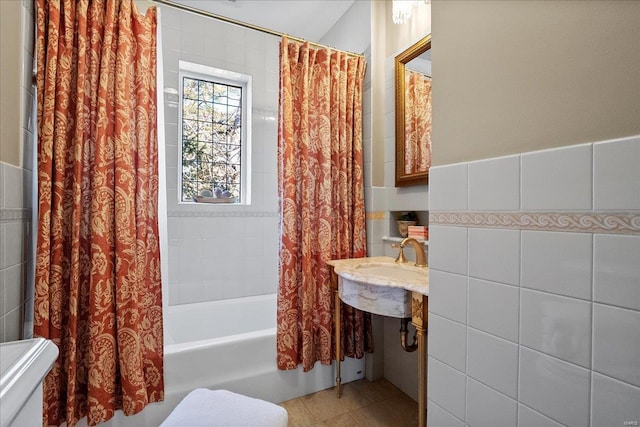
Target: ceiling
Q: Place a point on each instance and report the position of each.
(307, 19)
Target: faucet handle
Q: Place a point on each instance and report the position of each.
(400, 258)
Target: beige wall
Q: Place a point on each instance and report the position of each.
(10, 86)
(511, 77)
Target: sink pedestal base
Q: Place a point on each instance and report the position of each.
(419, 319)
(337, 322)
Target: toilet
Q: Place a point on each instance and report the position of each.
(208, 408)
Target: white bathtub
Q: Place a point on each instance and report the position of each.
(230, 344)
(188, 323)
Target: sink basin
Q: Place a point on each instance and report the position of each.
(379, 285)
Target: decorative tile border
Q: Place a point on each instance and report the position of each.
(14, 215)
(219, 214)
(376, 216)
(577, 222)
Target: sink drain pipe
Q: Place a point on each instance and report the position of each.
(403, 336)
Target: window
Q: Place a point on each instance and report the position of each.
(214, 132)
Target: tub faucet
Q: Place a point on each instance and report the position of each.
(421, 258)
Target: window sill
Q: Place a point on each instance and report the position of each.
(212, 204)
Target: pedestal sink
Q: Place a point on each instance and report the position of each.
(379, 285)
(382, 286)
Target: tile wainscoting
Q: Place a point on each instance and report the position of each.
(535, 280)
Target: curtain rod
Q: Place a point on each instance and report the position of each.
(244, 24)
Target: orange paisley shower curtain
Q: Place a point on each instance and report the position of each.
(417, 133)
(321, 195)
(98, 285)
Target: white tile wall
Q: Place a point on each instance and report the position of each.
(493, 361)
(448, 295)
(436, 416)
(12, 186)
(613, 402)
(495, 255)
(488, 408)
(15, 241)
(557, 262)
(616, 274)
(449, 341)
(446, 387)
(494, 184)
(221, 257)
(494, 308)
(10, 279)
(616, 173)
(552, 306)
(527, 417)
(558, 179)
(218, 252)
(555, 388)
(449, 191)
(448, 248)
(616, 347)
(556, 325)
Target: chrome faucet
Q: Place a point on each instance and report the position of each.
(421, 258)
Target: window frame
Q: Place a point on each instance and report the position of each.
(226, 77)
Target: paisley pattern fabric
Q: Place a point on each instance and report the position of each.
(321, 197)
(98, 284)
(417, 122)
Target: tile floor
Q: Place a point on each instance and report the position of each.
(363, 403)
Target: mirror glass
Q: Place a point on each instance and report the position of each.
(413, 113)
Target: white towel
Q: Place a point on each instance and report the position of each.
(209, 408)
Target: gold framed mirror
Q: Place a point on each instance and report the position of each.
(413, 143)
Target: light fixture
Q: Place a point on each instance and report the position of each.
(402, 9)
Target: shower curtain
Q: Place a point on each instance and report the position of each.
(321, 197)
(417, 133)
(98, 282)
